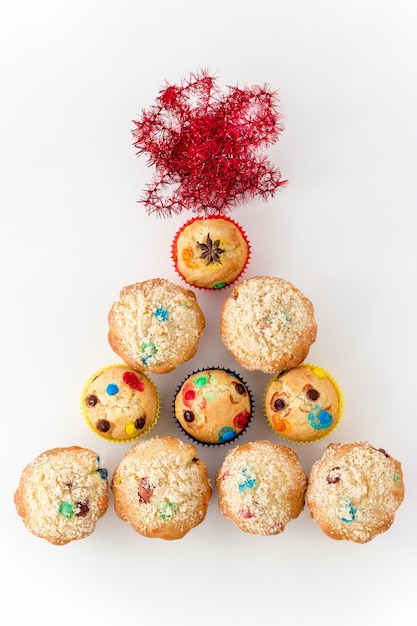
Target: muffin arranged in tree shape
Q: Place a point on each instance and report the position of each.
(267, 324)
(62, 494)
(354, 491)
(213, 405)
(303, 404)
(155, 325)
(261, 487)
(120, 404)
(161, 488)
(210, 252)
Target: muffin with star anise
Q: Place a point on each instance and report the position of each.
(210, 252)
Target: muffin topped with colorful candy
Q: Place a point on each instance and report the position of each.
(119, 403)
(267, 324)
(304, 403)
(213, 405)
(210, 252)
(161, 488)
(354, 491)
(62, 494)
(261, 487)
(155, 325)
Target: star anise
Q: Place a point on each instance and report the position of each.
(211, 250)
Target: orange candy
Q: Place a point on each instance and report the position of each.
(187, 256)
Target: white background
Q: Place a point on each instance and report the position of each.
(73, 76)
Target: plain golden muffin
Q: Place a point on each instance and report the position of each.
(261, 487)
(303, 403)
(120, 404)
(267, 324)
(354, 491)
(210, 252)
(161, 488)
(62, 494)
(213, 405)
(155, 325)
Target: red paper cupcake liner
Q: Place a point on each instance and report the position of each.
(220, 285)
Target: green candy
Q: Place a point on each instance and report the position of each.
(66, 509)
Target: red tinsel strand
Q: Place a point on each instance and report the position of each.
(206, 144)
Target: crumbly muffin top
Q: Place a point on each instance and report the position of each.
(155, 325)
(62, 494)
(354, 491)
(261, 487)
(268, 324)
(161, 488)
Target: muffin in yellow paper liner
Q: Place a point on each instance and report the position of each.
(303, 404)
(210, 252)
(120, 404)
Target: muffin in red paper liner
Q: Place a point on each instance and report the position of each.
(354, 491)
(62, 494)
(261, 487)
(213, 406)
(303, 404)
(210, 252)
(119, 403)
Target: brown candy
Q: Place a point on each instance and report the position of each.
(91, 400)
(140, 423)
(312, 394)
(145, 490)
(103, 426)
(334, 475)
(188, 416)
(83, 509)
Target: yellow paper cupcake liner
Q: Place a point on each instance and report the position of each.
(136, 435)
(320, 372)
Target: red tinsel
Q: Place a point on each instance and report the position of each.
(206, 144)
